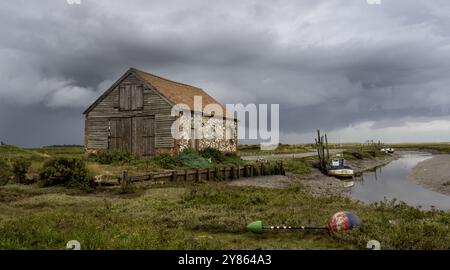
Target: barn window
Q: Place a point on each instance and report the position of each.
(131, 97)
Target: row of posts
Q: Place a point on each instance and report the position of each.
(218, 173)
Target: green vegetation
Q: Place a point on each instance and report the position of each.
(203, 216)
(69, 172)
(168, 161)
(186, 215)
(20, 169)
(112, 157)
(213, 154)
(193, 159)
(437, 147)
(5, 171)
(250, 150)
(297, 166)
(362, 153)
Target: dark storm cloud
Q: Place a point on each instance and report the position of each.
(329, 64)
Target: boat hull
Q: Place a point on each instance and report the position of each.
(341, 173)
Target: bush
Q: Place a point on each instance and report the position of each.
(215, 155)
(20, 168)
(5, 171)
(69, 172)
(167, 161)
(110, 157)
(232, 158)
(193, 159)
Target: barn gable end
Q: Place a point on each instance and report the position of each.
(107, 107)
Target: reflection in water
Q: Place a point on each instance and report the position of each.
(391, 181)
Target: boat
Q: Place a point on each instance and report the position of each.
(387, 150)
(337, 168)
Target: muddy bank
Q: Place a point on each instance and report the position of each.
(320, 184)
(315, 182)
(433, 174)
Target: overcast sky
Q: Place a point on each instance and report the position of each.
(355, 70)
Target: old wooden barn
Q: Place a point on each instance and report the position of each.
(134, 115)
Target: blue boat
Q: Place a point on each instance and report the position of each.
(337, 168)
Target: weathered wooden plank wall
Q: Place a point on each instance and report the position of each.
(153, 104)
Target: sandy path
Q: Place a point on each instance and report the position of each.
(433, 173)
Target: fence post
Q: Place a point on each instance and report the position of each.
(185, 175)
(216, 173)
(197, 175)
(207, 174)
(174, 176)
(238, 171)
(124, 180)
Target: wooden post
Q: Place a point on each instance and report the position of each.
(207, 174)
(197, 175)
(174, 176)
(150, 176)
(238, 172)
(185, 175)
(216, 173)
(124, 181)
(261, 171)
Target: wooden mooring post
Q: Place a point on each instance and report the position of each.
(322, 151)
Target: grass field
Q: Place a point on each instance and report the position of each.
(205, 215)
(202, 216)
(438, 147)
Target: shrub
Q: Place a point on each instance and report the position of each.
(69, 172)
(110, 157)
(167, 161)
(232, 158)
(193, 159)
(5, 171)
(20, 168)
(215, 155)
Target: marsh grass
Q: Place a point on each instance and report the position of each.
(187, 215)
(297, 166)
(203, 216)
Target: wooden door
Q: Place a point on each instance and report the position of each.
(144, 135)
(120, 134)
